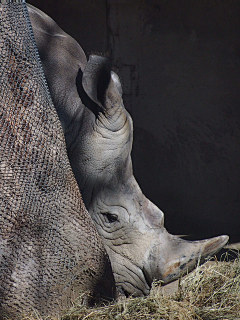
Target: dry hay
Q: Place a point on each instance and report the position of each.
(211, 291)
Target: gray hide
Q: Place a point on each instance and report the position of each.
(98, 132)
(49, 249)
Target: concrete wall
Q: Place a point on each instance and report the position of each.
(179, 62)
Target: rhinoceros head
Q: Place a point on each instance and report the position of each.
(131, 226)
(99, 133)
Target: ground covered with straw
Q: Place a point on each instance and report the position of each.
(211, 291)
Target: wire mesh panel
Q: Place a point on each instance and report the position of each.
(49, 249)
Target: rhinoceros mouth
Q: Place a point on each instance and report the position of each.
(127, 288)
(130, 278)
(147, 277)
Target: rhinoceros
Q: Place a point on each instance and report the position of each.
(99, 132)
(49, 247)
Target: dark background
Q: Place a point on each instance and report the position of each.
(179, 62)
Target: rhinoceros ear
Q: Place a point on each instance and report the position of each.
(104, 88)
(96, 78)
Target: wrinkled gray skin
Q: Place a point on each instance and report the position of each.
(99, 133)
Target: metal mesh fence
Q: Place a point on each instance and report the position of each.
(48, 246)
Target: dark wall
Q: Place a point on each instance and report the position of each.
(180, 67)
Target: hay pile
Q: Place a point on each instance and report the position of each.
(211, 291)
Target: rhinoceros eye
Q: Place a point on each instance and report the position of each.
(110, 217)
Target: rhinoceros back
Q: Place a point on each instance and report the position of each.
(49, 249)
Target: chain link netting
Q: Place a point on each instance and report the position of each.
(48, 246)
